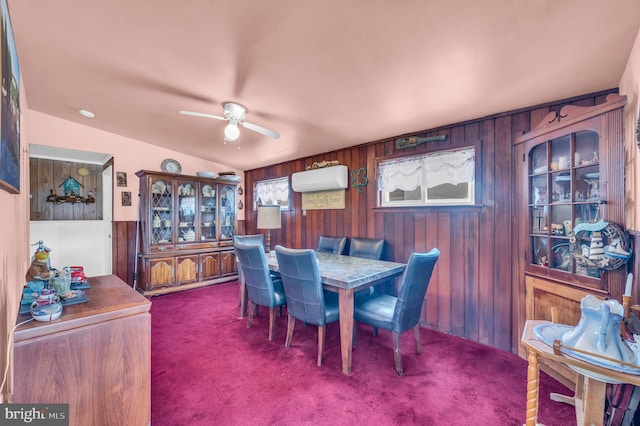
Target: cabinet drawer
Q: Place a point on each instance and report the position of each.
(186, 269)
(160, 272)
(209, 266)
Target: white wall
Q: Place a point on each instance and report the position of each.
(73, 243)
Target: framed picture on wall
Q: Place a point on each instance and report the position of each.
(121, 178)
(10, 108)
(126, 198)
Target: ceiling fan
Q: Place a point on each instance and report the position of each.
(235, 114)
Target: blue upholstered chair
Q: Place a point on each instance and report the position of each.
(369, 248)
(257, 239)
(400, 313)
(306, 300)
(334, 245)
(366, 247)
(262, 289)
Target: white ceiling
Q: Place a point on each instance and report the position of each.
(324, 74)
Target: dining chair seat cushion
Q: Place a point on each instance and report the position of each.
(376, 310)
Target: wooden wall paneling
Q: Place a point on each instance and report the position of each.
(536, 115)
(487, 228)
(476, 253)
(518, 286)
(121, 255)
(457, 136)
(131, 248)
(371, 190)
(367, 199)
(458, 272)
(502, 310)
(613, 160)
(433, 292)
(520, 124)
(445, 262)
(420, 246)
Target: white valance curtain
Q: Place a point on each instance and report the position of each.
(270, 191)
(427, 170)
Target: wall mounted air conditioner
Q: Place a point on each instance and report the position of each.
(323, 179)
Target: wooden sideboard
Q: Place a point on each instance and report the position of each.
(96, 357)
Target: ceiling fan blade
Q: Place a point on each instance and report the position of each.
(201, 114)
(260, 129)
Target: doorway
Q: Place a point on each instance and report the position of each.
(85, 243)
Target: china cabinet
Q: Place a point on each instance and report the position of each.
(187, 227)
(572, 174)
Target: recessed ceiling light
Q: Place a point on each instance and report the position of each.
(85, 113)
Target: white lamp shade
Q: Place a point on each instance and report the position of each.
(231, 132)
(269, 217)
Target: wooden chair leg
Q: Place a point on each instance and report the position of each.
(416, 337)
(375, 331)
(272, 322)
(321, 334)
(290, 325)
(252, 311)
(397, 357)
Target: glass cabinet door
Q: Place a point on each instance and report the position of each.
(161, 211)
(563, 192)
(186, 205)
(227, 211)
(208, 213)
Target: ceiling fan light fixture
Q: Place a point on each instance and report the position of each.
(231, 132)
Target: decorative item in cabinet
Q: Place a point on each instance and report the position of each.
(208, 210)
(186, 211)
(227, 211)
(161, 202)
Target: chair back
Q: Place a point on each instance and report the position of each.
(249, 239)
(257, 239)
(302, 284)
(413, 288)
(256, 274)
(366, 248)
(334, 245)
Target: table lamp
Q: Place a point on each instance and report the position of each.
(268, 218)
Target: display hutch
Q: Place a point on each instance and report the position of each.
(187, 227)
(573, 173)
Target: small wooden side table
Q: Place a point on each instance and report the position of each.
(590, 393)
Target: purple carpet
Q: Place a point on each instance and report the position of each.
(207, 368)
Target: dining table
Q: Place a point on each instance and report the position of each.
(345, 275)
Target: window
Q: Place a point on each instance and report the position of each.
(272, 192)
(443, 178)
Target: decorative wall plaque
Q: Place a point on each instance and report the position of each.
(323, 200)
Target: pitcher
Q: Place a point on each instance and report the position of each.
(598, 331)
